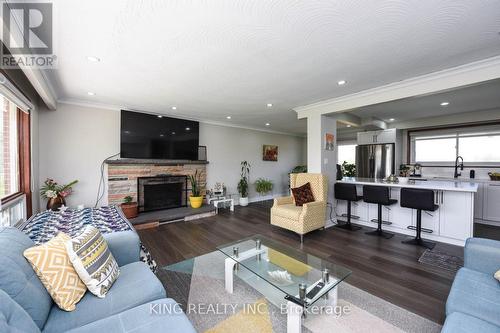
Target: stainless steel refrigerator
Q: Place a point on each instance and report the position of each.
(375, 161)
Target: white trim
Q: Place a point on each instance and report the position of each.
(468, 74)
(112, 107)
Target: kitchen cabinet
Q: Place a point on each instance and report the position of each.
(400, 217)
(373, 214)
(451, 223)
(455, 214)
(374, 137)
(359, 210)
(491, 202)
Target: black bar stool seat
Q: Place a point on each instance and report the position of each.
(419, 199)
(346, 192)
(379, 195)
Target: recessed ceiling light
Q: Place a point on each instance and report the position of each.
(392, 119)
(267, 124)
(90, 93)
(188, 129)
(228, 117)
(341, 82)
(173, 133)
(348, 125)
(269, 105)
(93, 59)
(160, 116)
(444, 103)
(174, 107)
(162, 135)
(127, 132)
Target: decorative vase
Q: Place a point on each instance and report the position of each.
(244, 201)
(56, 203)
(130, 210)
(196, 202)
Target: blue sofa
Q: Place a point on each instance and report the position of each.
(137, 301)
(474, 301)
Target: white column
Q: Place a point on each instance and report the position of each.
(320, 160)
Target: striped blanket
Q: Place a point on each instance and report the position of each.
(45, 225)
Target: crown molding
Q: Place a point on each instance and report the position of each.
(464, 75)
(113, 107)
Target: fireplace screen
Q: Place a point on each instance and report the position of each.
(161, 192)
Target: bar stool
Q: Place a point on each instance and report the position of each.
(347, 192)
(379, 195)
(420, 200)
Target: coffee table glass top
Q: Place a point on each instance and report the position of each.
(284, 267)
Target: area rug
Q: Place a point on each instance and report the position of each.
(441, 259)
(198, 285)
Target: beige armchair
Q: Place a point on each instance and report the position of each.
(310, 216)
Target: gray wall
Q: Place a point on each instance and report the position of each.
(75, 139)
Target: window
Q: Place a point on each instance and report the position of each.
(477, 145)
(9, 157)
(346, 153)
(15, 164)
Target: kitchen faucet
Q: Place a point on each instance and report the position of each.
(461, 165)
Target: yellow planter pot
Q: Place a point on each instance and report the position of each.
(196, 202)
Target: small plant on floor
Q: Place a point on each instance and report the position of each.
(196, 199)
(243, 183)
(129, 207)
(348, 169)
(263, 186)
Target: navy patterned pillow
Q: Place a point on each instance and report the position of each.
(303, 194)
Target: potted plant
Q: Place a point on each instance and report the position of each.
(263, 186)
(129, 207)
(56, 194)
(348, 169)
(195, 199)
(243, 183)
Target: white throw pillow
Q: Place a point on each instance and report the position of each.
(497, 275)
(94, 263)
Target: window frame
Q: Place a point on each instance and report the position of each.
(456, 132)
(24, 165)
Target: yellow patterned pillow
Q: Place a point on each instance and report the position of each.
(52, 265)
(93, 261)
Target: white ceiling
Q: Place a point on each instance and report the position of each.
(215, 58)
(484, 96)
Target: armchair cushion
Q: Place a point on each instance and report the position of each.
(289, 211)
(303, 194)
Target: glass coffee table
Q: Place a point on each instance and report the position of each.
(277, 271)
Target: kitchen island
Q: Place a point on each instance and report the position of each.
(452, 223)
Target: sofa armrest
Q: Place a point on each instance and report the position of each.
(283, 201)
(124, 245)
(482, 255)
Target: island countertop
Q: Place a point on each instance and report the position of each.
(438, 185)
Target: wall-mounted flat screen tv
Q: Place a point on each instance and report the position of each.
(148, 136)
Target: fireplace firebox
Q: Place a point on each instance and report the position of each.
(161, 192)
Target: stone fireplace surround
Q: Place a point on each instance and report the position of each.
(122, 175)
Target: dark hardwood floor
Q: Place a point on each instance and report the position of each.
(383, 267)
